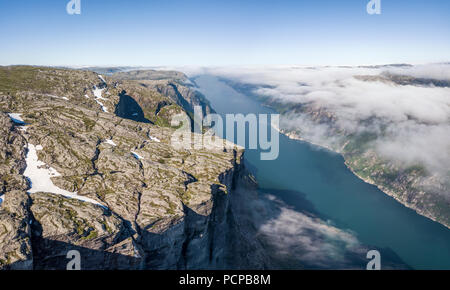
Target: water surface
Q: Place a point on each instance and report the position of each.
(335, 192)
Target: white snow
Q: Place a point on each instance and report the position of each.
(98, 96)
(104, 109)
(57, 97)
(98, 92)
(86, 96)
(16, 118)
(137, 156)
(39, 176)
(155, 139)
(110, 142)
(103, 80)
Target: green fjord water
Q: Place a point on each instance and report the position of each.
(336, 193)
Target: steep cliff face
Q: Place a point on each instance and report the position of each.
(173, 85)
(15, 245)
(208, 235)
(87, 165)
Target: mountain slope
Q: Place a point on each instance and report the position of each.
(104, 179)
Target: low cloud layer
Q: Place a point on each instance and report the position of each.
(293, 235)
(414, 118)
(433, 71)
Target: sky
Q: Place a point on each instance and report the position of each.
(223, 32)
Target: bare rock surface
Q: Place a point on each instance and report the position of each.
(128, 199)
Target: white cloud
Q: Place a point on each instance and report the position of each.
(295, 235)
(415, 119)
(434, 71)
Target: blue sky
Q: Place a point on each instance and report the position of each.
(223, 32)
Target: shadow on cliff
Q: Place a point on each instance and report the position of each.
(246, 229)
(253, 229)
(128, 108)
(52, 255)
(295, 235)
(195, 242)
(303, 219)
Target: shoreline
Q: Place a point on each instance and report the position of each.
(389, 193)
(294, 136)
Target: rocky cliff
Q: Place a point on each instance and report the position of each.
(86, 164)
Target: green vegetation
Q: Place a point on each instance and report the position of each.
(360, 142)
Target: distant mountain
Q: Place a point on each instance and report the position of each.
(405, 80)
(108, 70)
(150, 75)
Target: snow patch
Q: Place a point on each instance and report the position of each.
(57, 97)
(98, 96)
(110, 142)
(98, 92)
(103, 80)
(39, 176)
(137, 156)
(86, 96)
(155, 139)
(104, 109)
(16, 118)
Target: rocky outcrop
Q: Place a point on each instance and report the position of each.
(61, 224)
(15, 245)
(173, 85)
(107, 182)
(15, 232)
